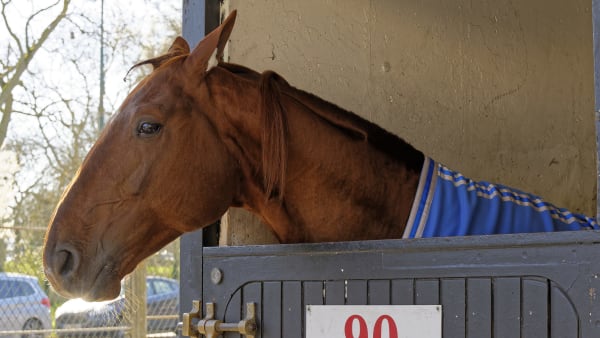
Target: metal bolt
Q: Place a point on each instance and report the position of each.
(216, 276)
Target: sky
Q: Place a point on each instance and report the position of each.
(144, 17)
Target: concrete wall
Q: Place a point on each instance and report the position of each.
(500, 90)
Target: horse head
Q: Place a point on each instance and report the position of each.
(118, 209)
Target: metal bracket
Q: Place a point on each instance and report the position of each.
(211, 327)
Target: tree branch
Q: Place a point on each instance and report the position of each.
(31, 17)
(23, 63)
(9, 29)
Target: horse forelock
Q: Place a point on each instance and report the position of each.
(159, 61)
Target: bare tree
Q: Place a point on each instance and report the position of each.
(60, 113)
(21, 52)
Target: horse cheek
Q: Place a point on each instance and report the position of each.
(134, 183)
(214, 183)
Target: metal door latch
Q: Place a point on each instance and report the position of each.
(211, 327)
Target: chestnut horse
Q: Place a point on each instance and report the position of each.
(198, 136)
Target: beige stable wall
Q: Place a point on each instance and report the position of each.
(500, 90)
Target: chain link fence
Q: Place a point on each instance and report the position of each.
(30, 308)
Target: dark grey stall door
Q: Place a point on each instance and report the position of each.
(537, 285)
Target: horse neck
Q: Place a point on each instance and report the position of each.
(335, 187)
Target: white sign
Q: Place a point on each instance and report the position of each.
(373, 321)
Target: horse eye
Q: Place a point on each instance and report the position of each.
(148, 128)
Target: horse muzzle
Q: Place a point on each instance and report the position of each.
(65, 272)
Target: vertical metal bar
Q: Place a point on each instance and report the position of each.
(195, 19)
(213, 15)
(596, 28)
(190, 278)
(199, 18)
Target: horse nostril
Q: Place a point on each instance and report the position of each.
(66, 261)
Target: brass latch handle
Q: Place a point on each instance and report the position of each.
(211, 327)
(187, 328)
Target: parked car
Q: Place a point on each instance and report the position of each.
(162, 300)
(23, 305)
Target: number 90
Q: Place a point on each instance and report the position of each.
(363, 331)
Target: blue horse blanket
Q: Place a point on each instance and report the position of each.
(450, 204)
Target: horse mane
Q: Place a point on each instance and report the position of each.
(274, 134)
(359, 128)
(274, 127)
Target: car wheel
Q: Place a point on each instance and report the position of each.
(32, 324)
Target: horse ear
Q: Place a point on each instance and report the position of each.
(212, 46)
(179, 46)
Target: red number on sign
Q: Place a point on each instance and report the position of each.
(363, 332)
(393, 330)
